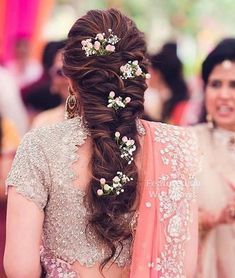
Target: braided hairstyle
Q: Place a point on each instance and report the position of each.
(93, 78)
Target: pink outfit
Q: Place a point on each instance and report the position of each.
(166, 237)
(217, 190)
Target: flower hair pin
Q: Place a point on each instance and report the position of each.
(132, 69)
(100, 45)
(126, 146)
(116, 187)
(117, 102)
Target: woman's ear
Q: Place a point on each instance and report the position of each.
(71, 86)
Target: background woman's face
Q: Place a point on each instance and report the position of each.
(220, 95)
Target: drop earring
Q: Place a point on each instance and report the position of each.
(71, 105)
(209, 120)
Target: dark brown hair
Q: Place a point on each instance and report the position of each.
(94, 77)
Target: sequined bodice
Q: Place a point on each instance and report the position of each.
(49, 183)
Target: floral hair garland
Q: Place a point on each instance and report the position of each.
(100, 45)
(117, 102)
(116, 187)
(132, 69)
(126, 146)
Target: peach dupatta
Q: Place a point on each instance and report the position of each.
(165, 242)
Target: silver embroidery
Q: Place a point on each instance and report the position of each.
(179, 153)
(42, 172)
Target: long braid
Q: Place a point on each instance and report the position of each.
(94, 78)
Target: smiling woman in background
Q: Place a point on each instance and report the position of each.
(217, 140)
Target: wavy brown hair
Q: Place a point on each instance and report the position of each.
(93, 78)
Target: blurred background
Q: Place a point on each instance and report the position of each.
(179, 34)
(195, 24)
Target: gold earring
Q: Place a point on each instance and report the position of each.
(209, 120)
(71, 105)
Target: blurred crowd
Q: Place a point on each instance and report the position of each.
(33, 94)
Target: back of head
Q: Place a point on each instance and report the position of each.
(49, 52)
(94, 77)
(225, 50)
(171, 68)
(167, 62)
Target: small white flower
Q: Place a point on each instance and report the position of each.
(102, 181)
(97, 45)
(138, 71)
(110, 48)
(89, 45)
(116, 179)
(106, 187)
(132, 142)
(112, 94)
(117, 134)
(127, 99)
(128, 143)
(147, 75)
(100, 36)
(135, 62)
(124, 139)
(84, 43)
(100, 192)
(122, 68)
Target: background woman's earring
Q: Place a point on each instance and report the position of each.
(71, 106)
(209, 120)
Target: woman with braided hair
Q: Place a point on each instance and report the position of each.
(103, 194)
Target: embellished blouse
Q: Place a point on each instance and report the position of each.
(42, 172)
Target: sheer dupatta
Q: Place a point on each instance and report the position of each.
(165, 242)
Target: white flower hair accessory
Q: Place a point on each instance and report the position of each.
(132, 69)
(117, 102)
(116, 187)
(126, 146)
(100, 45)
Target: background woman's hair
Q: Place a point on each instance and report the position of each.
(94, 77)
(224, 50)
(169, 65)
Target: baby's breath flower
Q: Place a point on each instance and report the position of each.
(100, 45)
(117, 102)
(132, 69)
(116, 187)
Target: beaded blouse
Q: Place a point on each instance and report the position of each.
(42, 172)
